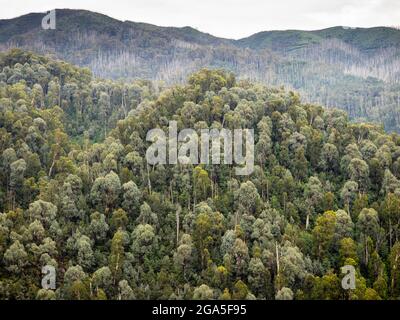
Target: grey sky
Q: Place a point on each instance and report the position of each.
(229, 18)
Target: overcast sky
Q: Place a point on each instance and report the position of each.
(229, 18)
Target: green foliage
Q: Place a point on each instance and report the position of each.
(324, 193)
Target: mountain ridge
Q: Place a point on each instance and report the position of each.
(319, 32)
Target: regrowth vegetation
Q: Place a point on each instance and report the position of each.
(355, 69)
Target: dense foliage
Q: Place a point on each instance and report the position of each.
(76, 192)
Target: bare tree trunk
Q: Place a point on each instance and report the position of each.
(148, 178)
(390, 233)
(277, 257)
(178, 211)
(52, 166)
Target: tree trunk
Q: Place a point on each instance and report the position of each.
(390, 233)
(148, 178)
(52, 166)
(178, 211)
(277, 257)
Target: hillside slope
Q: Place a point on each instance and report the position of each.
(354, 69)
(324, 192)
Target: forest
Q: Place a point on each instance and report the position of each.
(354, 69)
(76, 192)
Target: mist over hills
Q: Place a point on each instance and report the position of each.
(356, 69)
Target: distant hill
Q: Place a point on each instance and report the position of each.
(357, 69)
(366, 40)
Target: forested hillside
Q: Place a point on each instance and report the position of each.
(77, 193)
(354, 69)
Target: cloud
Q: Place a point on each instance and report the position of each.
(359, 14)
